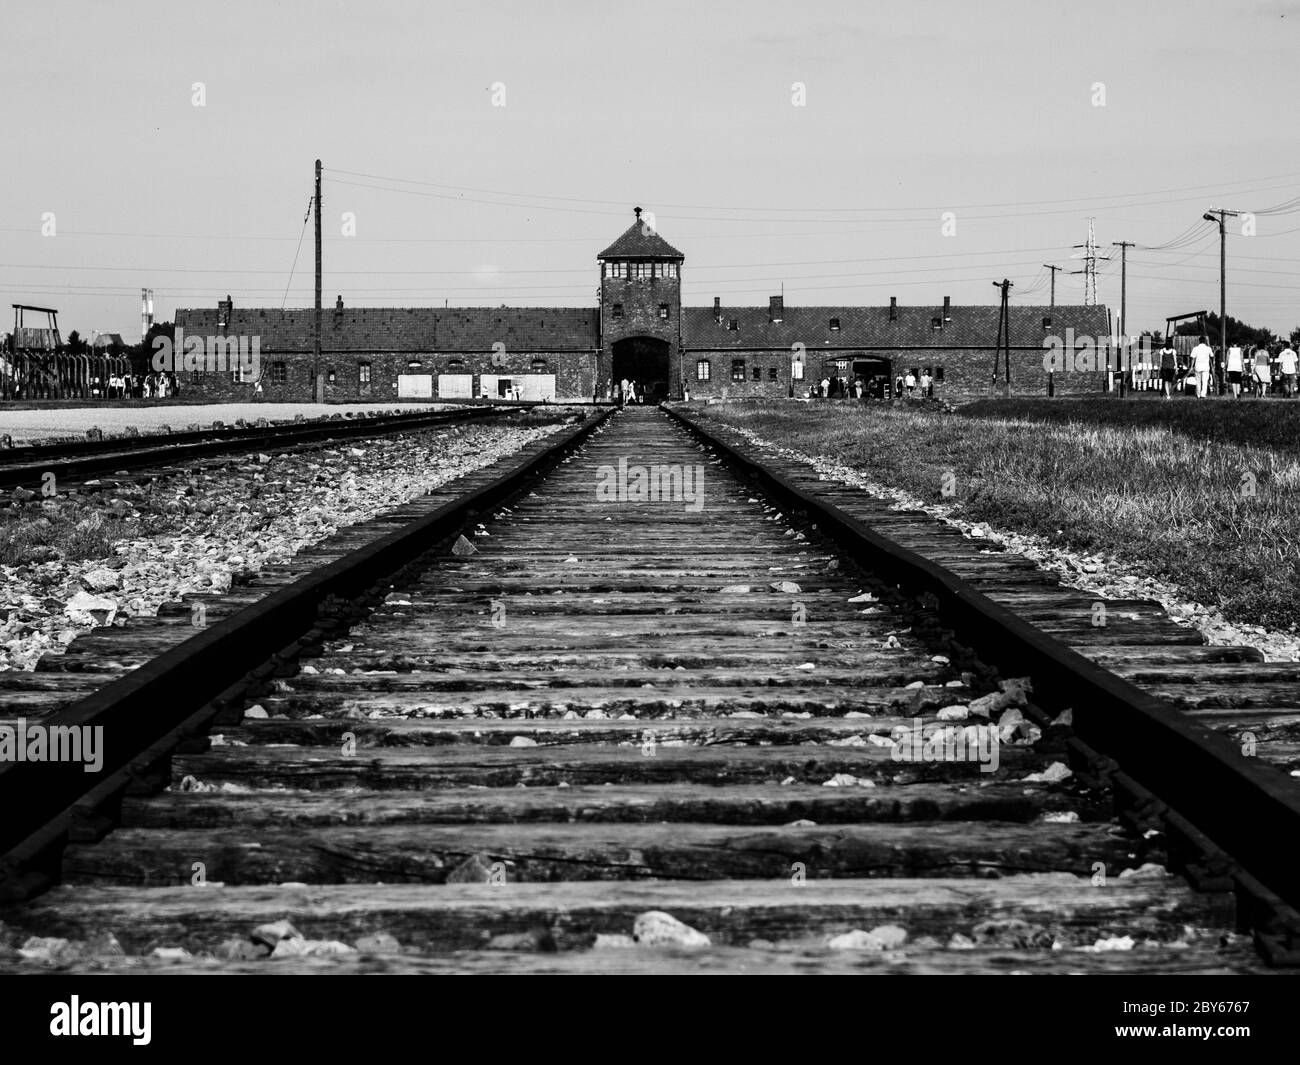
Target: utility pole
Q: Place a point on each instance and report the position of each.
(1004, 336)
(1209, 216)
(318, 387)
(1052, 305)
(1123, 246)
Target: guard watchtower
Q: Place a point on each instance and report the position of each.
(641, 313)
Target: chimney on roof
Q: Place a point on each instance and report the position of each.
(637, 212)
(224, 307)
(717, 308)
(947, 308)
(893, 308)
(775, 308)
(338, 305)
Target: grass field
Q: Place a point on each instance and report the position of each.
(1166, 487)
(1272, 422)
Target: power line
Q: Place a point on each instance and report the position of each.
(305, 219)
(1017, 214)
(802, 208)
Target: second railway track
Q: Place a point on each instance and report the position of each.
(611, 708)
(74, 462)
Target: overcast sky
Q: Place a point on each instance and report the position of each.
(987, 110)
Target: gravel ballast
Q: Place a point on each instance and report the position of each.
(193, 532)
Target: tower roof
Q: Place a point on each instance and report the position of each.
(639, 241)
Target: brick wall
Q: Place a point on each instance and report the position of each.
(720, 384)
(221, 387)
(966, 372)
(969, 373)
(640, 300)
(574, 372)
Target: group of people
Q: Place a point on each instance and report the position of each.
(630, 392)
(836, 388)
(133, 386)
(1261, 369)
(911, 383)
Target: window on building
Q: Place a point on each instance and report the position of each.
(703, 371)
(936, 324)
(455, 364)
(663, 310)
(842, 365)
(835, 323)
(279, 373)
(796, 371)
(363, 373)
(414, 364)
(732, 324)
(938, 374)
(666, 270)
(639, 271)
(771, 373)
(737, 369)
(1047, 321)
(329, 375)
(614, 270)
(618, 310)
(537, 366)
(758, 373)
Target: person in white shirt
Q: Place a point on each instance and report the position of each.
(910, 382)
(925, 384)
(1287, 364)
(1233, 369)
(1201, 358)
(1263, 374)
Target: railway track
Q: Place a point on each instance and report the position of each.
(76, 461)
(539, 724)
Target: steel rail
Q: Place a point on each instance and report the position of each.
(150, 709)
(1247, 808)
(78, 460)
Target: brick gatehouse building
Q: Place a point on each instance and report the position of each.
(640, 331)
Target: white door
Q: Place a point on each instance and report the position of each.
(537, 387)
(415, 386)
(455, 386)
(496, 386)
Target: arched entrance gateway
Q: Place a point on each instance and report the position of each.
(643, 360)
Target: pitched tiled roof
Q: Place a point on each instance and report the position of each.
(639, 241)
(405, 328)
(870, 327)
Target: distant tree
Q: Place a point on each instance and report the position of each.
(142, 354)
(1295, 336)
(76, 345)
(1238, 331)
